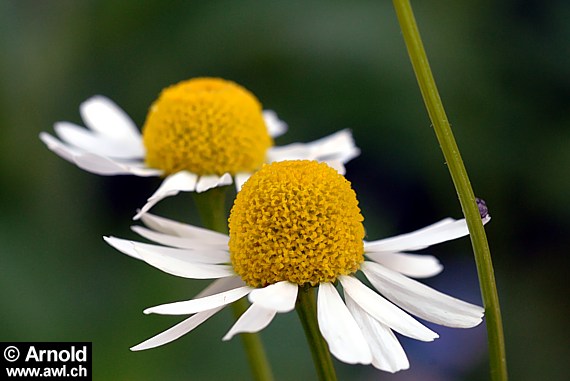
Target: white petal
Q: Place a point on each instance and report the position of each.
(123, 245)
(337, 165)
(289, 152)
(338, 146)
(105, 117)
(180, 181)
(212, 181)
(106, 166)
(96, 163)
(64, 151)
(442, 231)
(400, 242)
(254, 319)
(339, 328)
(414, 265)
(388, 355)
(275, 126)
(173, 261)
(240, 179)
(183, 263)
(168, 226)
(177, 331)
(196, 255)
(384, 311)
(280, 296)
(91, 142)
(422, 300)
(202, 304)
(221, 285)
(182, 242)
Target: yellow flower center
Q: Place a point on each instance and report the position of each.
(206, 126)
(297, 221)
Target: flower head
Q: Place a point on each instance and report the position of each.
(298, 224)
(296, 221)
(206, 126)
(199, 134)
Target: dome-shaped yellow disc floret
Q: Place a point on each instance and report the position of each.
(297, 221)
(206, 126)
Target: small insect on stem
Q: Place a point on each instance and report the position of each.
(483, 210)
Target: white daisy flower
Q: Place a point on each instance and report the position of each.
(297, 224)
(199, 134)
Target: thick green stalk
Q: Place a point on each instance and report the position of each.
(307, 309)
(212, 210)
(434, 105)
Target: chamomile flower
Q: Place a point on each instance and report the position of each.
(297, 224)
(199, 134)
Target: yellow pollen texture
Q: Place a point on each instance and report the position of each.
(297, 221)
(206, 126)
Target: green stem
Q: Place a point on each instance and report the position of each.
(212, 210)
(434, 105)
(256, 356)
(307, 309)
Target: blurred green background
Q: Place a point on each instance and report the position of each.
(503, 69)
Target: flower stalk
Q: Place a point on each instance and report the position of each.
(212, 209)
(307, 310)
(438, 117)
